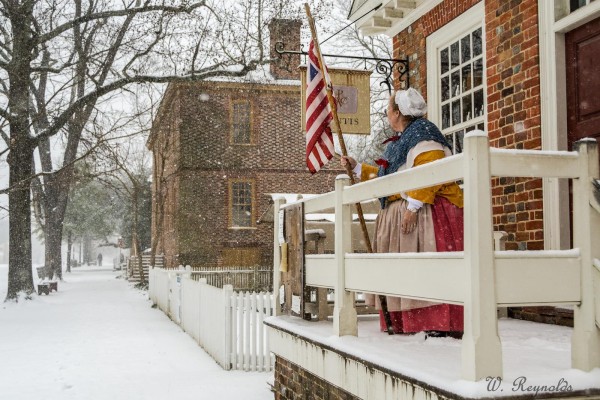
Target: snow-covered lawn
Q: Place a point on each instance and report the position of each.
(98, 338)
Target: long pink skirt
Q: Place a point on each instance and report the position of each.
(448, 227)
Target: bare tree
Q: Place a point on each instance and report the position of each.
(58, 62)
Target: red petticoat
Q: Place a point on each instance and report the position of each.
(448, 225)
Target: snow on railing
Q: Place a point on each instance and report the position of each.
(226, 324)
(479, 278)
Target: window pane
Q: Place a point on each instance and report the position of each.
(455, 112)
(466, 78)
(480, 126)
(450, 138)
(478, 103)
(241, 122)
(445, 116)
(467, 112)
(461, 97)
(444, 60)
(478, 73)
(454, 55)
(459, 141)
(455, 84)
(477, 45)
(465, 47)
(576, 4)
(445, 88)
(241, 204)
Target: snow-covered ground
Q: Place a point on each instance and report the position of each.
(99, 338)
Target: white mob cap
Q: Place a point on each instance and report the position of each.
(411, 103)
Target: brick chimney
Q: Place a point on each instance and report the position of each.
(288, 32)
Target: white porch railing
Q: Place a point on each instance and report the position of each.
(479, 278)
(227, 324)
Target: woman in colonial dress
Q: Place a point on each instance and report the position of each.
(423, 220)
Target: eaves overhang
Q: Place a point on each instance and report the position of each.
(391, 18)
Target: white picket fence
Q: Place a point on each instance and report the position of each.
(227, 324)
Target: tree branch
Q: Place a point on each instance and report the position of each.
(81, 102)
(116, 13)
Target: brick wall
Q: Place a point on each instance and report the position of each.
(293, 383)
(513, 100)
(514, 115)
(164, 143)
(208, 160)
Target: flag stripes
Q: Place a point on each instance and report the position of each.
(319, 139)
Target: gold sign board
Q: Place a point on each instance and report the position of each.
(352, 89)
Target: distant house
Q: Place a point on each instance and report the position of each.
(220, 147)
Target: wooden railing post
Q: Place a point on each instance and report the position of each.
(481, 348)
(585, 345)
(277, 225)
(344, 311)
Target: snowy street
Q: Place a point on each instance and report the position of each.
(99, 338)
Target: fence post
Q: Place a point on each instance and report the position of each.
(344, 311)
(277, 203)
(227, 294)
(481, 348)
(585, 345)
(151, 286)
(201, 288)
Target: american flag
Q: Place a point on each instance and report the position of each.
(319, 139)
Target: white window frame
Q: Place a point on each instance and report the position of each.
(443, 37)
(232, 203)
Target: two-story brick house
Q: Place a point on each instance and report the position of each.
(220, 147)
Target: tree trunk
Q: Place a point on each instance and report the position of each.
(20, 158)
(20, 277)
(55, 205)
(138, 247)
(69, 246)
(53, 241)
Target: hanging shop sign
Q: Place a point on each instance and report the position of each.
(352, 90)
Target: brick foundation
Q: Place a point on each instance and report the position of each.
(544, 315)
(294, 383)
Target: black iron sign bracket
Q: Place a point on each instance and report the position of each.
(385, 66)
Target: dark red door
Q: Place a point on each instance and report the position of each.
(583, 82)
(583, 88)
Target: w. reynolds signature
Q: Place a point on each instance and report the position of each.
(495, 384)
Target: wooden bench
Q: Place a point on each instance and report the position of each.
(47, 287)
(43, 287)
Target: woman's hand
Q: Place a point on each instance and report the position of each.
(345, 160)
(409, 221)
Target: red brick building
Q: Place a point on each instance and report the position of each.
(220, 147)
(522, 71)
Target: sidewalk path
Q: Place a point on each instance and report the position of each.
(98, 338)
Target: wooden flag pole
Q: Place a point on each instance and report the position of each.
(338, 128)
